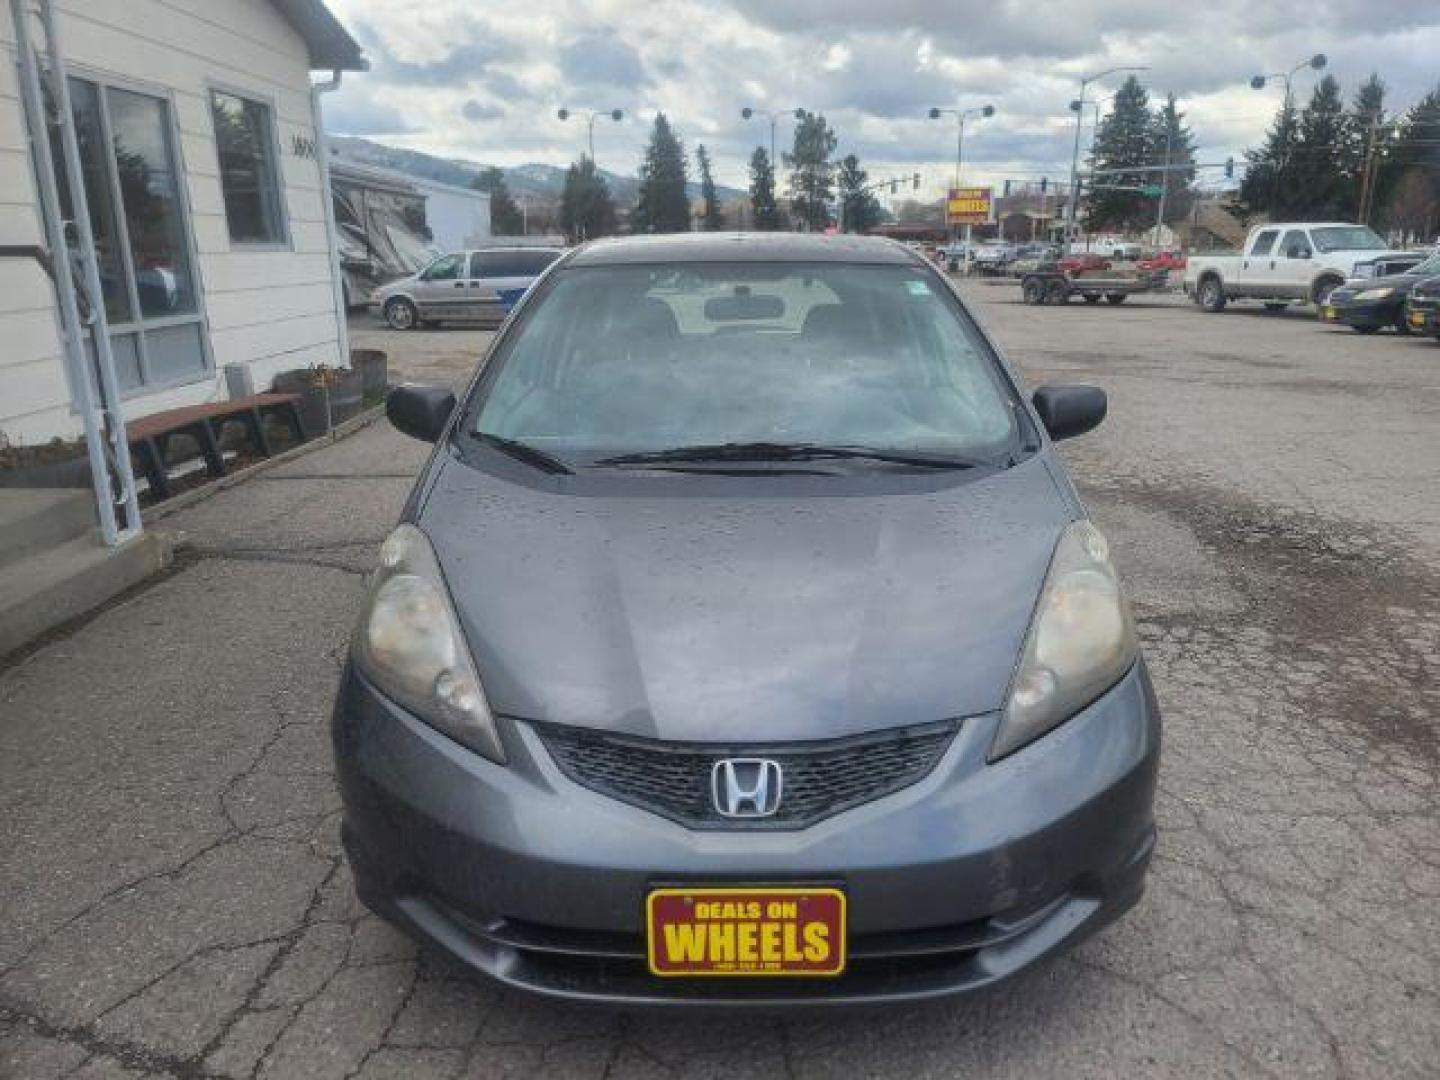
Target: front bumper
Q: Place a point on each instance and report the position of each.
(1422, 315)
(960, 880)
(1362, 313)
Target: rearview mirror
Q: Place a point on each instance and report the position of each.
(1070, 410)
(420, 411)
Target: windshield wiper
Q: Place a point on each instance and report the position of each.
(522, 451)
(769, 451)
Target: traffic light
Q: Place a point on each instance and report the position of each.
(1229, 168)
(1007, 190)
(1044, 183)
(915, 181)
(894, 185)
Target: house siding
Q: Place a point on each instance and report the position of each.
(270, 308)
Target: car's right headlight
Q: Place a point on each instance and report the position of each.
(410, 645)
(1081, 641)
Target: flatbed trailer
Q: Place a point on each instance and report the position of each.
(1053, 286)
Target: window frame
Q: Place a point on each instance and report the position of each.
(138, 324)
(285, 239)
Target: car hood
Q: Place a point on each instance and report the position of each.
(1399, 282)
(744, 618)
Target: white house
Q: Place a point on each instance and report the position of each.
(199, 143)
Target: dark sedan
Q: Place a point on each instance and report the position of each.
(1422, 308)
(744, 642)
(1370, 304)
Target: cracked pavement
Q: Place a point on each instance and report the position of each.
(173, 901)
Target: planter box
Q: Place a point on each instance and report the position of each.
(345, 397)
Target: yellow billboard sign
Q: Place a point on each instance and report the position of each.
(968, 206)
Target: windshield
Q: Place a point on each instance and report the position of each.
(1346, 238)
(631, 359)
(1427, 268)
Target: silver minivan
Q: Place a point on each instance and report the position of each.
(463, 286)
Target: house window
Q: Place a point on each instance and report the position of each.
(244, 136)
(130, 171)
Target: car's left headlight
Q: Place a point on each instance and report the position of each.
(1374, 294)
(410, 645)
(1081, 641)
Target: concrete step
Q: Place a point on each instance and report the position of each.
(50, 587)
(34, 520)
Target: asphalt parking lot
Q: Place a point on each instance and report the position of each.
(174, 903)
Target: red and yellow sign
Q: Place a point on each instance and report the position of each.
(968, 206)
(746, 931)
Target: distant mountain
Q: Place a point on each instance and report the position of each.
(537, 181)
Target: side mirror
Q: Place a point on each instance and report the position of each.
(1070, 410)
(420, 411)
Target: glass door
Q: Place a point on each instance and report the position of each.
(132, 184)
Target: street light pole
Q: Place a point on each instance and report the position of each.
(1164, 189)
(1314, 63)
(1074, 209)
(960, 117)
(591, 115)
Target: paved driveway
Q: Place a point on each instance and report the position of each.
(174, 902)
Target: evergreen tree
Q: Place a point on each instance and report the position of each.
(663, 205)
(505, 216)
(1266, 188)
(811, 171)
(1324, 187)
(1124, 140)
(762, 191)
(1174, 145)
(713, 220)
(586, 209)
(1413, 204)
(861, 209)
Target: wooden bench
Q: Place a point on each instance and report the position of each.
(150, 436)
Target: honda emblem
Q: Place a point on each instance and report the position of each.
(746, 787)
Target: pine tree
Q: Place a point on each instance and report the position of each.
(1266, 187)
(586, 209)
(505, 216)
(1172, 144)
(861, 209)
(1324, 188)
(762, 191)
(1413, 205)
(713, 220)
(663, 205)
(811, 171)
(1124, 140)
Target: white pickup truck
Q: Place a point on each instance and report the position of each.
(1282, 263)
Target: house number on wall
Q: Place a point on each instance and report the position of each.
(302, 145)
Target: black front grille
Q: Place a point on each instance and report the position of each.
(820, 778)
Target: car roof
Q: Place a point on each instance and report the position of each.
(743, 247)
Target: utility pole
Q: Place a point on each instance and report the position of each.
(1164, 190)
(1367, 174)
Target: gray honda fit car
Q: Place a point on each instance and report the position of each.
(744, 642)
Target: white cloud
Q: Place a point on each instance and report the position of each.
(872, 68)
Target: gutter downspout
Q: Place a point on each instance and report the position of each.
(322, 152)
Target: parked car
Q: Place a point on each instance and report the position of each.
(464, 286)
(1386, 265)
(1283, 263)
(1076, 264)
(1170, 261)
(1422, 308)
(993, 256)
(637, 695)
(1370, 304)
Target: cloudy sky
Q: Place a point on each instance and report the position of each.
(482, 79)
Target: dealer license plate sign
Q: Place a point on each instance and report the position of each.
(1328, 313)
(745, 932)
(1417, 318)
